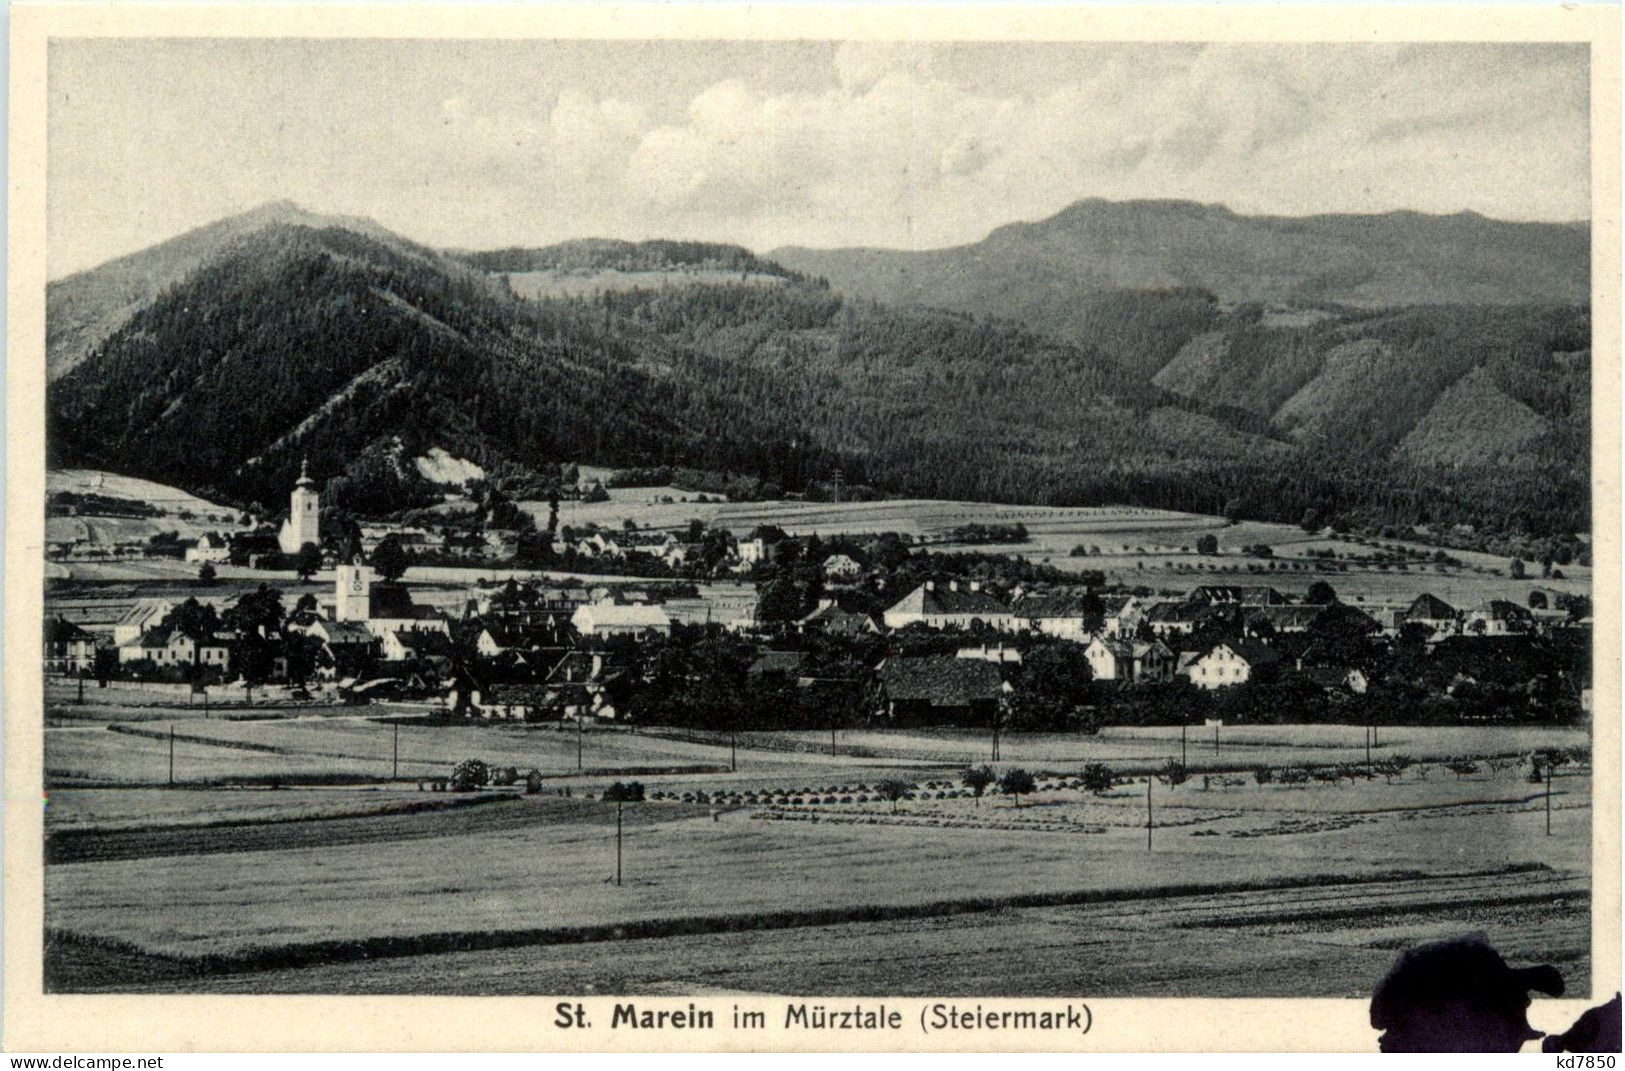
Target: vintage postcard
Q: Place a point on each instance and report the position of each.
(749, 528)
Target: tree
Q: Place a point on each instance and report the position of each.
(1173, 773)
(1320, 593)
(308, 561)
(977, 779)
(1017, 782)
(630, 792)
(892, 790)
(194, 619)
(1462, 768)
(390, 558)
(1207, 544)
(469, 775)
(1517, 569)
(306, 605)
(1097, 778)
(205, 574)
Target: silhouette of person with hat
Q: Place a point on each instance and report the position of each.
(1458, 995)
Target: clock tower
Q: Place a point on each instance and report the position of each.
(352, 584)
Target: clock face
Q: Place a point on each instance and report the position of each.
(355, 582)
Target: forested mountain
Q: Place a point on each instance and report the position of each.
(86, 307)
(1048, 274)
(354, 348)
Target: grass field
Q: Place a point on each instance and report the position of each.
(479, 898)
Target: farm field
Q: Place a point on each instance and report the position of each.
(538, 285)
(1126, 949)
(1137, 547)
(1240, 747)
(350, 745)
(1236, 870)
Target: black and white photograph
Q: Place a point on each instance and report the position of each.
(734, 518)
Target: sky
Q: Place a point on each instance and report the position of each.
(483, 144)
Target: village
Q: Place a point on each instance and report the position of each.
(768, 630)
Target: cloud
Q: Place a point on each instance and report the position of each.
(905, 156)
(892, 143)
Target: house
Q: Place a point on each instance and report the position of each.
(1068, 615)
(510, 702)
(750, 551)
(608, 619)
(1129, 661)
(641, 542)
(1236, 594)
(498, 637)
(831, 619)
(410, 645)
(841, 567)
(1281, 620)
(1120, 615)
(68, 648)
(1428, 610)
(1227, 664)
(144, 615)
(212, 547)
(939, 690)
(1337, 680)
(167, 646)
(952, 605)
(1497, 617)
(1173, 618)
(578, 686)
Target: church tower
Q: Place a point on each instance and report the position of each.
(304, 513)
(352, 592)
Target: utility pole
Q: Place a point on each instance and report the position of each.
(995, 735)
(1215, 738)
(578, 741)
(1182, 728)
(1368, 746)
(733, 749)
(172, 754)
(618, 806)
(1550, 772)
(81, 685)
(395, 763)
(1148, 779)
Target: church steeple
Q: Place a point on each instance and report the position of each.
(304, 474)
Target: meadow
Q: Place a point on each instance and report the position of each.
(498, 897)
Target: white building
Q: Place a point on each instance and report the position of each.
(841, 567)
(304, 512)
(1129, 661)
(1228, 664)
(139, 618)
(751, 551)
(210, 547)
(952, 606)
(609, 619)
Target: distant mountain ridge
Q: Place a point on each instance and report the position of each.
(1031, 270)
